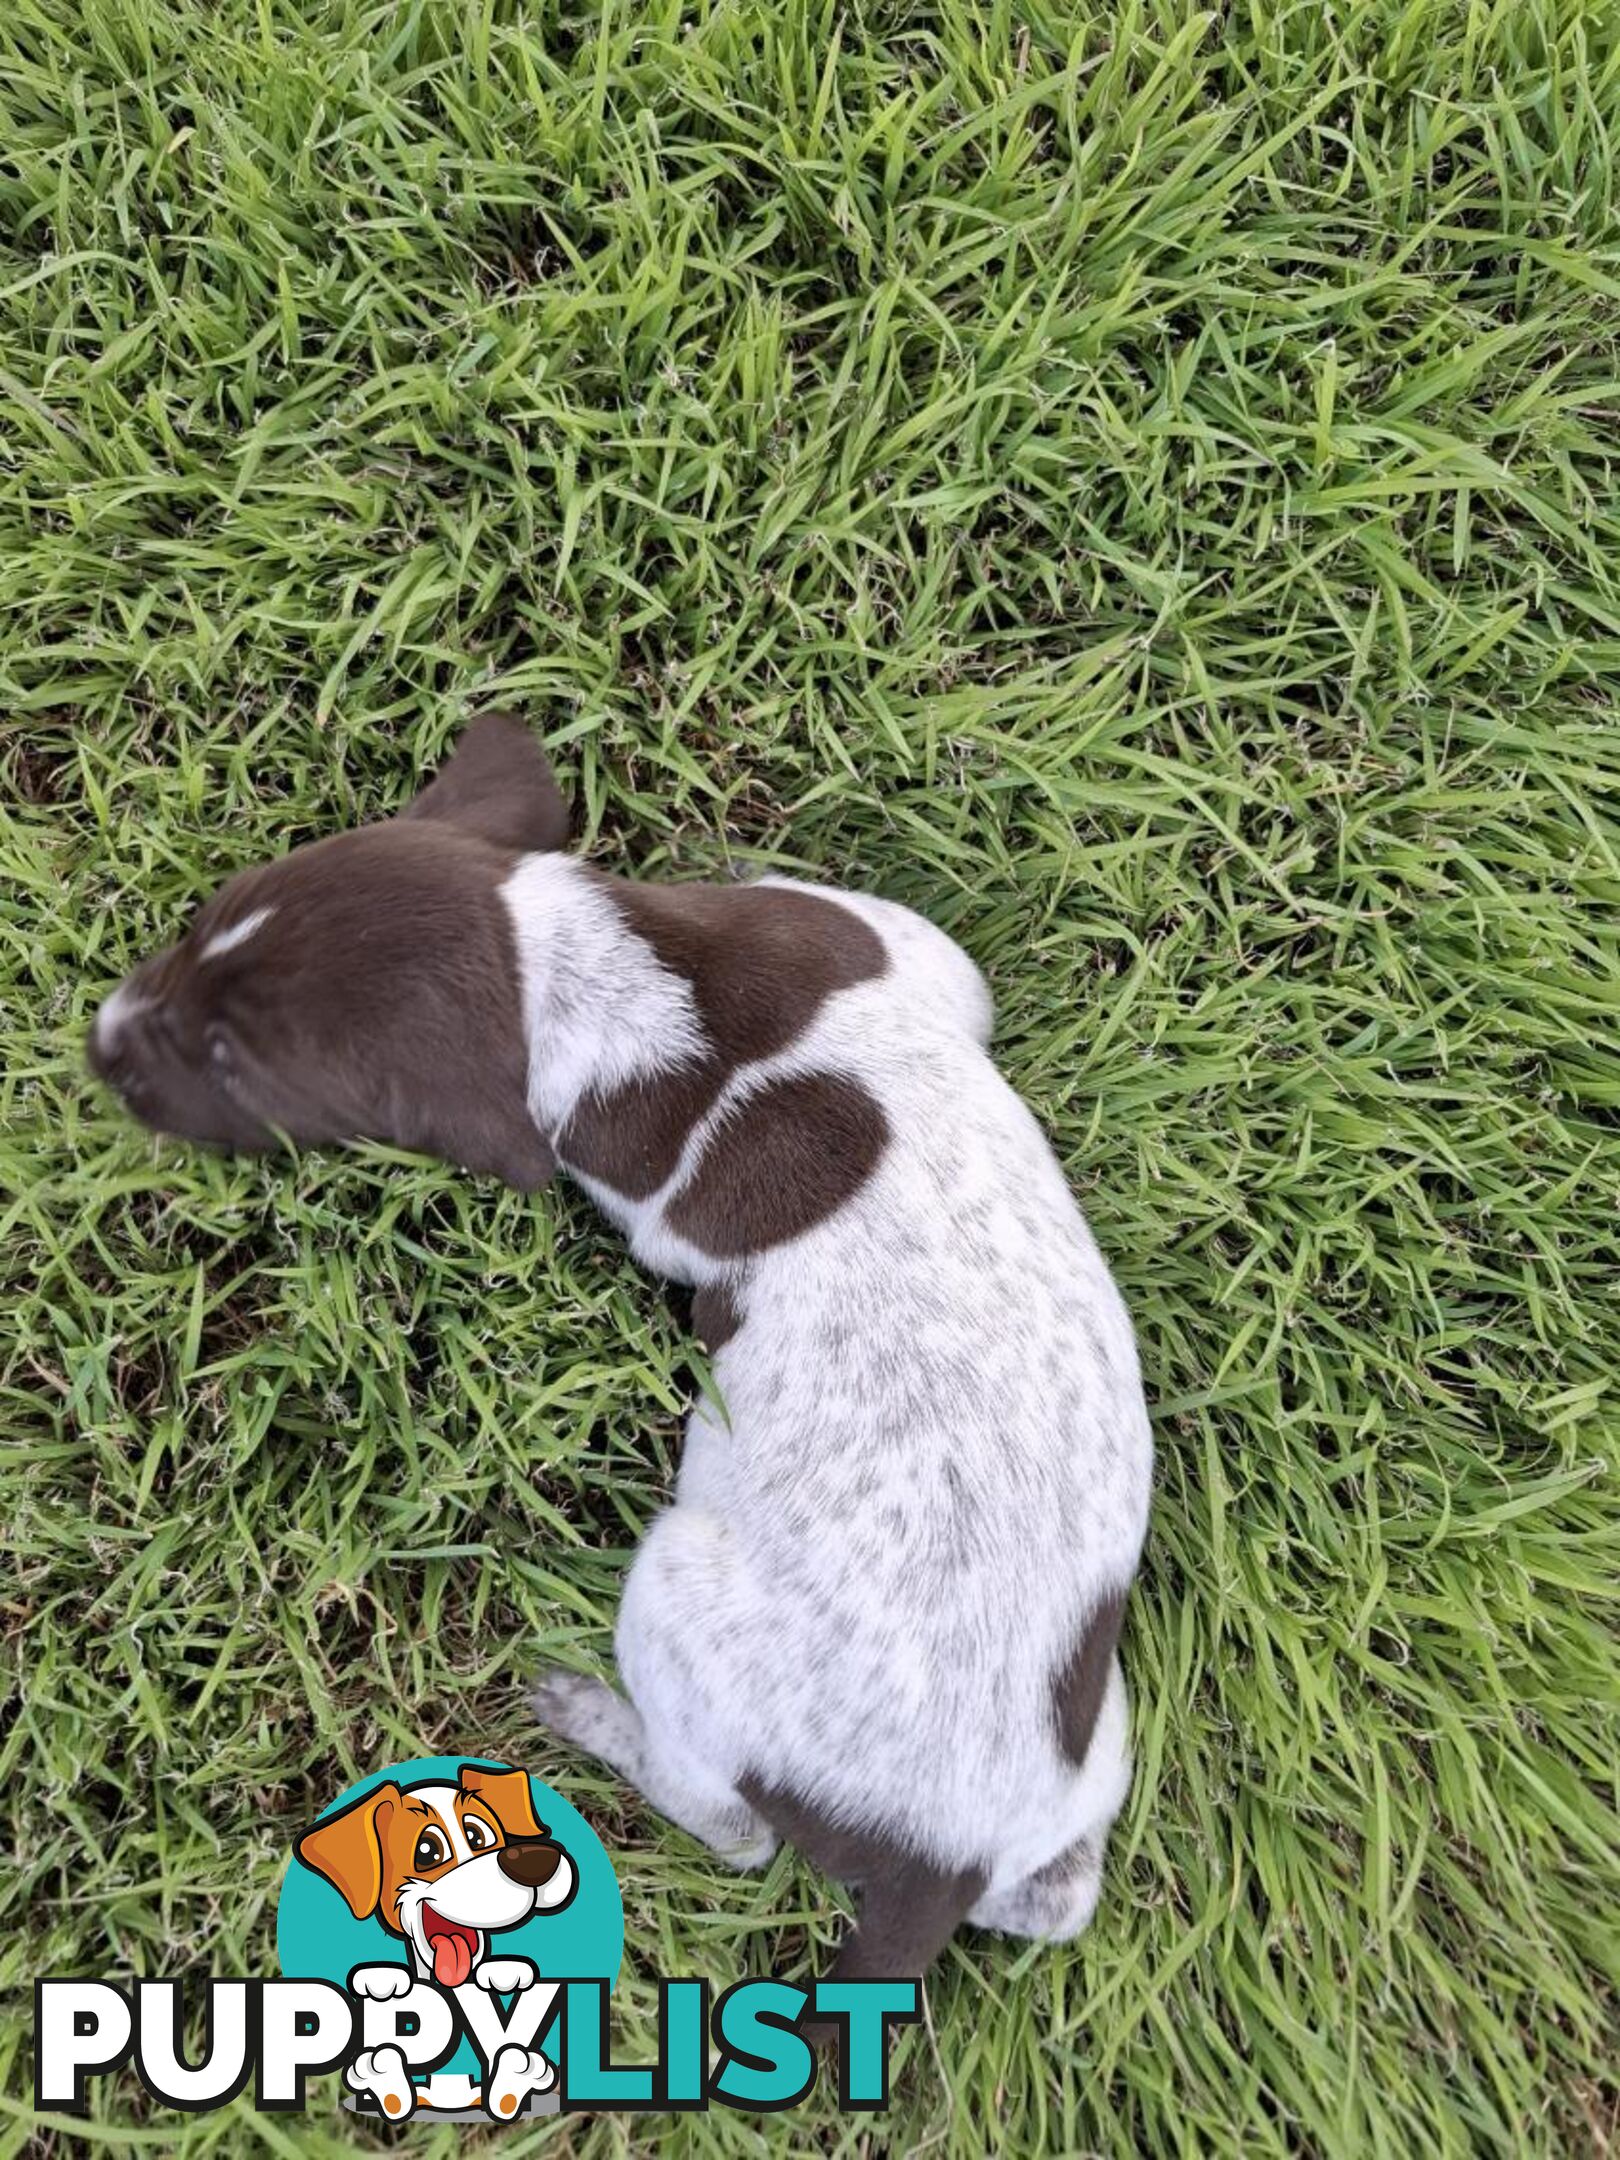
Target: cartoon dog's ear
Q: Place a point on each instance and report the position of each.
(497, 783)
(347, 1849)
(507, 1795)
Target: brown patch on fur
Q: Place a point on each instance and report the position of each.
(910, 1906)
(761, 962)
(793, 1154)
(716, 1316)
(631, 1138)
(1080, 1681)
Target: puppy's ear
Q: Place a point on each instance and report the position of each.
(506, 1794)
(347, 1849)
(496, 783)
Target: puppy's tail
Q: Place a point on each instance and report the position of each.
(908, 1914)
(910, 1906)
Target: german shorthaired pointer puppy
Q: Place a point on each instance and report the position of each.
(881, 1617)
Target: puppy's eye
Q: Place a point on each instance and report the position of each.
(479, 1835)
(220, 1051)
(431, 1850)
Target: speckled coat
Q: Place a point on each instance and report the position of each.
(880, 1616)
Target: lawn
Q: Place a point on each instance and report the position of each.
(1134, 482)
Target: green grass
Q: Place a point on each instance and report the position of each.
(1138, 484)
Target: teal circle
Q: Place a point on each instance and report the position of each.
(318, 1938)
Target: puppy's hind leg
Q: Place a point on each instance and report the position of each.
(1052, 1905)
(1056, 1902)
(655, 1742)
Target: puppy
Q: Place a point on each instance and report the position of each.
(880, 1619)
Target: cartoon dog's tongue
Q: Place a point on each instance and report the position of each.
(452, 1948)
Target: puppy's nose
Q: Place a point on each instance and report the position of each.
(530, 1861)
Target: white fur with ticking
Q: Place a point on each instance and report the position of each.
(933, 1458)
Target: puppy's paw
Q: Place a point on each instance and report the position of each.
(382, 2073)
(754, 1848)
(574, 1706)
(381, 1983)
(516, 2073)
(505, 1976)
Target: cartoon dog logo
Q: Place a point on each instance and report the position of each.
(445, 1867)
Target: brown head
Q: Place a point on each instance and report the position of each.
(362, 987)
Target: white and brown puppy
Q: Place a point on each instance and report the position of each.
(880, 1618)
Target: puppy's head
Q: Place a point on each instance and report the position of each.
(444, 1866)
(362, 987)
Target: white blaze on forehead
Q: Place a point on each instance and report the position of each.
(119, 1008)
(224, 941)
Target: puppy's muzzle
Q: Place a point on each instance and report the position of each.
(530, 1861)
(115, 1061)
